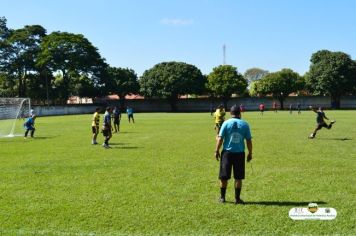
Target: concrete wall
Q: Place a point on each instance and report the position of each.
(193, 105)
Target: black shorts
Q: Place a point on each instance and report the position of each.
(218, 125)
(106, 132)
(95, 129)
(229, 161)
(321, 125)
(116, 121)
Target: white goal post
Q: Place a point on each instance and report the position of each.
(13, 112)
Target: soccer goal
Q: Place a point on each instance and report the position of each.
(13, 112)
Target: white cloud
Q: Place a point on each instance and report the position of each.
(178, 22)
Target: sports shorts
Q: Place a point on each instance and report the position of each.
(95, 129)
(232, 161)
(321, 125)
(106, 132)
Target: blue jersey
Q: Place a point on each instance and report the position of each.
(129, 111)
(234, 132)
(30, 122)
(107, 121)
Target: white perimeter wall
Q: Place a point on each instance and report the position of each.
(193, 105)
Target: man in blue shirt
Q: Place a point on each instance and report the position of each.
(232, 135)
(129, 111)
(30, 125)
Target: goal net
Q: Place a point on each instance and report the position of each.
(13, 112)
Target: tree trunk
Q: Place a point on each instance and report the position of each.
(122, 102)
(173, 103)
(225, 100)
(281, 100)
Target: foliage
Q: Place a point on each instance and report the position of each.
(7, 85)
(279, 84)
(74, 57)
(331, 73)
(254, 74)
(171, 79)
(20, 50)
(224, 81)
(124, 81)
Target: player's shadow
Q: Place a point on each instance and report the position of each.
(281, 203)
(116, 144)
(337, 139)
(120, 146)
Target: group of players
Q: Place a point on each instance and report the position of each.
(111, 113)
(231, 135)
(219, 116)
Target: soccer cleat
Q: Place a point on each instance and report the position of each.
(222, 200)
(239, 201)
(333, 121)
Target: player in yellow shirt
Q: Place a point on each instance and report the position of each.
(219, 117)
(95, 125)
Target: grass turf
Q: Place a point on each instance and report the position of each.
(160, 177)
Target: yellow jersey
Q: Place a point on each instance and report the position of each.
(96, 119)
(219, 115)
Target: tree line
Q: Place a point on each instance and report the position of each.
(50, 68)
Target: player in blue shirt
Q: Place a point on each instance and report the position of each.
(129, 112)
(232, 135)
(29, 125)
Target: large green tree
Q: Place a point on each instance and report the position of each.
(77, 61)
(171, 79)
(19, 54)
(124, 82)
(224, 81)
(254, 74)
(331, 73)
(279, 84)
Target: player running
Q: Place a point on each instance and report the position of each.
(320, 121)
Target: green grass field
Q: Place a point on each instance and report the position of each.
(160, 177)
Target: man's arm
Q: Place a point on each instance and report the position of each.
(219, 142)
(249, 148)
(313, 109)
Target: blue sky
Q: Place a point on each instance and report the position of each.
(269, 34)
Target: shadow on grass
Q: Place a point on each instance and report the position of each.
(124, 132)
(115, 144)
(127, 147)
(337, 139)
(281, 203)
(16, 139)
